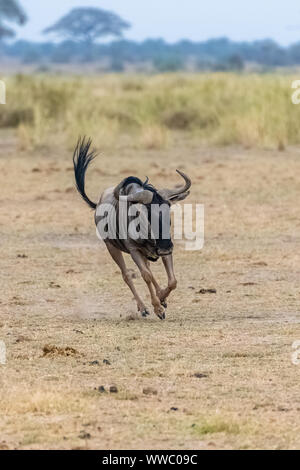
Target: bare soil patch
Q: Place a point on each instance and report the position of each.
(219, 368)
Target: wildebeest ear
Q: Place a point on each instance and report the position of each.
(142, 197)
(178, 197)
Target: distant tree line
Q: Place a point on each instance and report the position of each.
(214, 54)
(81, 29)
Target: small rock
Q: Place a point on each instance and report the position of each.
(101, 389)
(94, 363)
(84, 435)
(22, 339)
(173, 408)
(106, 361)
(281, 408)
(149, 391)
(207, 291)
(198, 375)
(113, 389)
(54, 286)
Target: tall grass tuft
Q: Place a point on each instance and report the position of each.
(154, 137)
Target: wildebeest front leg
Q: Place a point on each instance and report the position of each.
(158, 289)
(127, 276)
(140, 261)
(172, 282)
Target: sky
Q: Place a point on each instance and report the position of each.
(173, 20)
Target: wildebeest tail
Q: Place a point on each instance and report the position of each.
(81, 159)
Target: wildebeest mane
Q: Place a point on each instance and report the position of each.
(157, 199)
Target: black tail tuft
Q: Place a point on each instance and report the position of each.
(81, 159)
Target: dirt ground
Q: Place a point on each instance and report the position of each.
(217, 373)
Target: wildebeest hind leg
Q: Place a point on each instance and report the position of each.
(172, 282)
(118, 257)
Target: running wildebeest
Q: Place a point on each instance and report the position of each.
(143, 248)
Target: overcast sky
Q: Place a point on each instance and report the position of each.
(176, 19)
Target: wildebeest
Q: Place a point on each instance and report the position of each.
(154, 208)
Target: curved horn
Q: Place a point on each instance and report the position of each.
(169, 193)
(187, 185)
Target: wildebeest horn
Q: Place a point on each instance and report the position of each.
(170, 193)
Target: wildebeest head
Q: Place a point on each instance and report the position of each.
(158, 203)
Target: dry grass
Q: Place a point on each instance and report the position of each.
(220, 364)
(223, 109)
(154, 137)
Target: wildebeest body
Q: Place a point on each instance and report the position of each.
(153, 209)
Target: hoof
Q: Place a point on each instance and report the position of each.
(164, 303)
(145, 313)
(162, 316)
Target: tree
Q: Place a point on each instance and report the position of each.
(88, 24)
(10, 10)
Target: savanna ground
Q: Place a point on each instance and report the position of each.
(217, 373)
